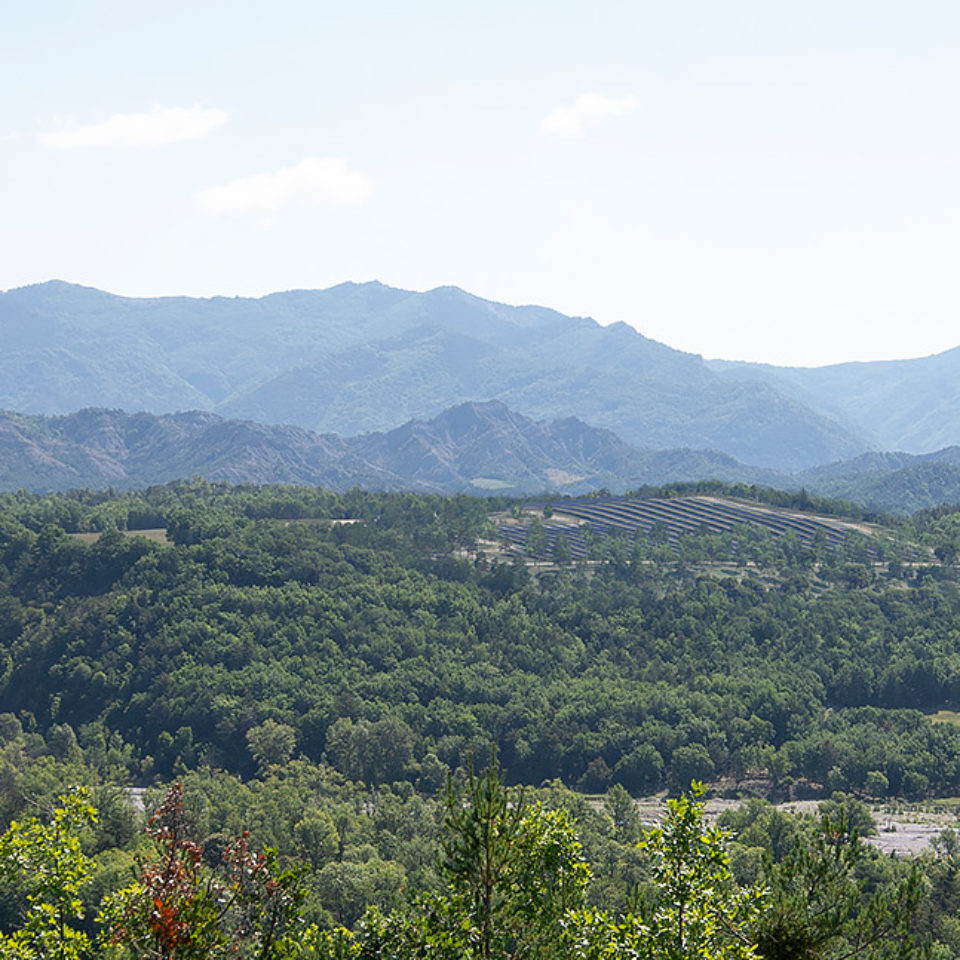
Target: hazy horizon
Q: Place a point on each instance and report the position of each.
(745, 180)
(472, 293)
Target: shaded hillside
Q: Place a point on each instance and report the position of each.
(486, 446)
(890, 482)
(98, 448)
(473, 447)
(361, 357)
(911, 405)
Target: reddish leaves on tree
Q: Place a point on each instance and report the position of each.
(192, 911)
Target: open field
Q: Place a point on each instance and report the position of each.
(156, 534)
(320, 521)
(945, 716)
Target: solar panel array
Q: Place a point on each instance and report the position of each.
(676, 516)
(516, 534)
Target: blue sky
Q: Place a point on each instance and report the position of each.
(762, 181)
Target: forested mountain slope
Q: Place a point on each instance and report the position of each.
(911, 405)
(476, 446)
(361, 357)
(892, 482)
(382, 652)
(311, 686)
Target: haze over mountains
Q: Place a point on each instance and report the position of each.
(911, 405)
(579, 405)
(361, 357)
(475, 448)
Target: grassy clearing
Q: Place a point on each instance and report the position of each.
(489, 483)
(945, 716)
(156, 534)
(321, 521)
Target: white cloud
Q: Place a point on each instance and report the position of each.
(316, 180)
(572, 121)
(156, 127)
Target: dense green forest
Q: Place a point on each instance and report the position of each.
(321, 684)
(263, 632)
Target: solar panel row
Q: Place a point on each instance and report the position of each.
(674, 516)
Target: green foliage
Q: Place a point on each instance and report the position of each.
(381, 662)
(180, 907)
(698, 910)
(513, 874)
(514, 885)
(512, 871)
(691, 763)
(317, 838)
(47, 860)
(373, 752)
(271, 743)
(641, 770)
(391, 659)
(826, 900)
(517, 884)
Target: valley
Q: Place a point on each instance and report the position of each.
(479, 481)
(623, 573)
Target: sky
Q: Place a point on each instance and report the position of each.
(765, 181)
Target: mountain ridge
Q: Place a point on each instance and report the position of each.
(361, 357)
(477, 447)
(911, 405)
(474, 447)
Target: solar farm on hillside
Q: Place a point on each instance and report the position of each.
(578, 520)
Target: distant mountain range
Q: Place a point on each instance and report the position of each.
(362, 357)
(891, 482)
(398, 372)
(911, 405)
(474, 447)
(471, 448)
